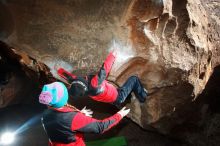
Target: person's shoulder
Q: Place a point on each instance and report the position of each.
(63, 109)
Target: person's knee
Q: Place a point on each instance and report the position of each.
(134, 78)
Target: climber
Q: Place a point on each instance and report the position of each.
(99, 89)
(64, 124)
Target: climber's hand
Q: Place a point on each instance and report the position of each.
(114, 52)
(87, 112)
(57, 66)
(123, 112)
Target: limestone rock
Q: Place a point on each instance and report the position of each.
(175, 57)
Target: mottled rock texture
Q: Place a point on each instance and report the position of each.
(174, 58)
(71, 32)
(21, 77)
(172, 45)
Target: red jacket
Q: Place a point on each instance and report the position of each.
(109, 92)
(68, 126)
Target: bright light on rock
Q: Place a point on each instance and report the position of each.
(7, 138)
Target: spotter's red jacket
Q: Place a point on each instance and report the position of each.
(65, 127)
(99, 88)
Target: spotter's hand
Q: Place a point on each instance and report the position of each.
(87, 112)
(123, 112)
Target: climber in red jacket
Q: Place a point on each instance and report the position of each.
(64, 124)
(99, 89)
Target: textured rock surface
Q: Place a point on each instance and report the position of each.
(176, 58)
(172, 45)
(21, 77)
(70, 33)
(176, 51)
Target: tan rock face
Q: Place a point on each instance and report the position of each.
(75, 34)
(171, 45)
(175, 52)
(21, 77)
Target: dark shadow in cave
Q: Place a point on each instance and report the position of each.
(7, 22)
(211, 93)
(203, 124)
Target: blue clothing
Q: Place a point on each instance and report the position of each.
(133, 84)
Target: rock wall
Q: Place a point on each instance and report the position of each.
(172, 45)
(175, 54)
(76, 34)
(21, 77)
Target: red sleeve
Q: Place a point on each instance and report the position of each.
(86, 124)
(104, 71)
(66, 75)
(109, 62)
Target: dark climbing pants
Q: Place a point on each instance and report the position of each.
(133, 84)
